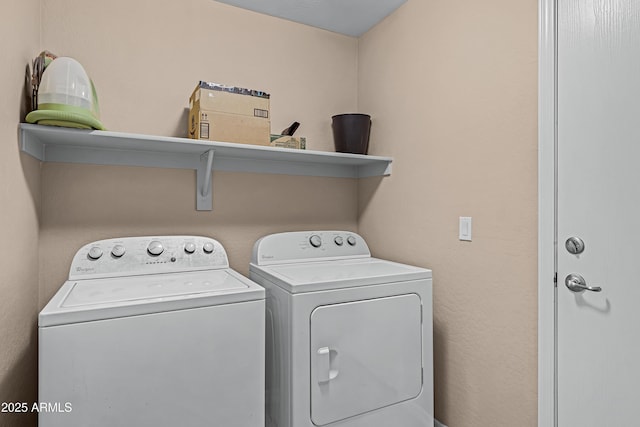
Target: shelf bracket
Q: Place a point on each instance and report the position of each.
(204, 198)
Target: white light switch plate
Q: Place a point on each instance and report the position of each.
(465, 228)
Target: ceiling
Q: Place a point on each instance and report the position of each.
(349, 17)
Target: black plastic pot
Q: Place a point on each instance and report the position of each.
(351, 133)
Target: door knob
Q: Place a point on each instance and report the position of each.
(576, 283)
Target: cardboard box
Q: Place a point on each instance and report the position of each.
(223, 127)
(229, 114)
(230, 100)
(286, 141)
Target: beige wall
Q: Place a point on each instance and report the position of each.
(19, 204)
(145, 59)
(451, 86)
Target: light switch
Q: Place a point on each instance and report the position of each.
(465, 228)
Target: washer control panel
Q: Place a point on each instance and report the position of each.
(130, 256)
(299, 246)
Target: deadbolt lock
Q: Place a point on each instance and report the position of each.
(574, 245)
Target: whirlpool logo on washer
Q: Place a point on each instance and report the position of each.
(263, 256)
(85, 269)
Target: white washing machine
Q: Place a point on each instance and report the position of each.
(153, 331)
(349, 337)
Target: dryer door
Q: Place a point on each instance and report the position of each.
(365, 355)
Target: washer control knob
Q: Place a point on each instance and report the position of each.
(338, 240)
(315, 241)
(189, 247)
(351, 240)
(155, 248)
(118, 251)
(207, 248)
(95, 253)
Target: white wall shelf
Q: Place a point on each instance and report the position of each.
(56, 144)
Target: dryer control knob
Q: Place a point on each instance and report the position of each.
(189, 247)
(351, 240)
(155, 248)
(95, 253)
(315, 241)
(338, 240)
(208, 247)
(118, 251)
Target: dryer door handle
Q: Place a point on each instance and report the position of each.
(326, 364)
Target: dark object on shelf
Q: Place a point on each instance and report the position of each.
(291, 129)
(351, 133)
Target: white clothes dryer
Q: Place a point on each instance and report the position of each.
(153, 331)
(349, 336)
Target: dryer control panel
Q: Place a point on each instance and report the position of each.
(130, 256)
(305, 246)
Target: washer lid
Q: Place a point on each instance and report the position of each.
(97, 299)
(317, 276)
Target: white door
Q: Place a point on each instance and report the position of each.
(598, 332)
